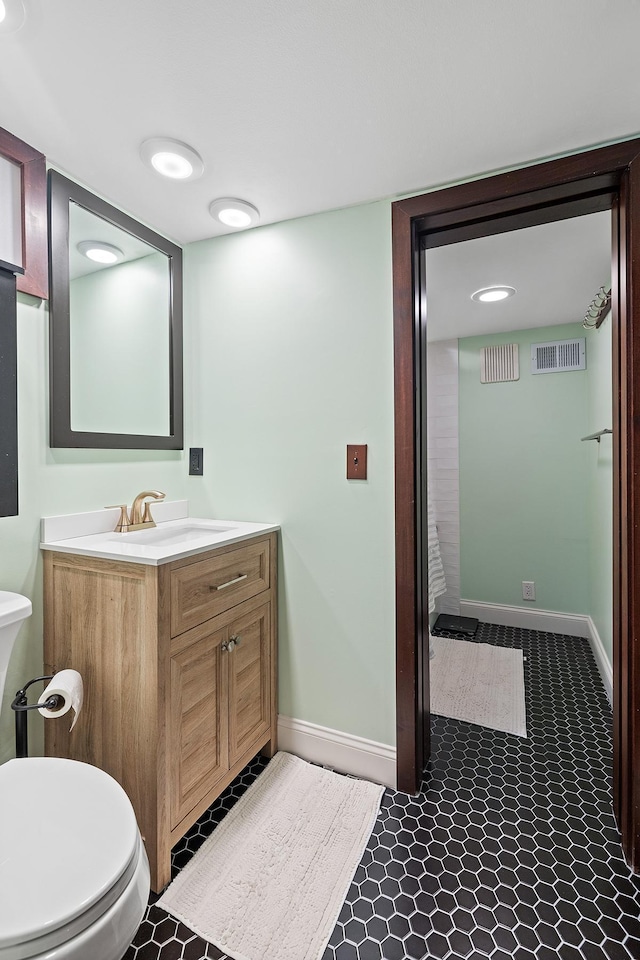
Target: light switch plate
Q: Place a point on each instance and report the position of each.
(356, 461)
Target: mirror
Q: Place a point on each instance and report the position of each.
(116, 327)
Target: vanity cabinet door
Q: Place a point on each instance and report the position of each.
(249, 680)
(199, 728)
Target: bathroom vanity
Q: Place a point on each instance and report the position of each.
(177, 649)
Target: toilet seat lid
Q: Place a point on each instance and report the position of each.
(67, 834)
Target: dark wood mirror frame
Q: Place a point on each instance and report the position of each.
(32, 165)
(61, 192)
(606, 178)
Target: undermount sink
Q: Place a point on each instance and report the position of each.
(175, 532)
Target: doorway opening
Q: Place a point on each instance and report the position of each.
(518, 496)
(591, 182)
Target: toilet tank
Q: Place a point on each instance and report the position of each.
(14, 608)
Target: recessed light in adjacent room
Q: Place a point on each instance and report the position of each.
(172, 158)
(493, 294)
(12, 15)
(234, 213)
(100, 252)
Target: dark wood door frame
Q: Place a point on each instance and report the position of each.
(584, 183)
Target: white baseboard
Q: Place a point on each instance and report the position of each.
(573, 624)
(342, 751)
(601, 658)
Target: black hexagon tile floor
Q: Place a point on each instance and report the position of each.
(510, 850)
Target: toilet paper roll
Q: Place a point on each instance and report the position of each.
(66, 684)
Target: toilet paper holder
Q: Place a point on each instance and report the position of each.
(20, 706)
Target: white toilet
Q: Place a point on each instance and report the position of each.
(74, 875)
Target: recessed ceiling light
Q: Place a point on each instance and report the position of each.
(12, 15)
(100, 252)
(493, 294)
(172, 159)
(234, 213)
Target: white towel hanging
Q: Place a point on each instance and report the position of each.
(437, 581)
(435, 569)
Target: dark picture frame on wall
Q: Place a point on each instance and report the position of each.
(33, 212)
(24, 269)
(8, 396)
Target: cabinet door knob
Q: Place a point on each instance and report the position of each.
(224, 646)
(231, 644)
(236, 639)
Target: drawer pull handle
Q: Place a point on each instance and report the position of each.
(221, 586)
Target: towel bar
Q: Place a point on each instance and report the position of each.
(596, 436)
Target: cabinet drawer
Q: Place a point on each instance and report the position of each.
(204, 589)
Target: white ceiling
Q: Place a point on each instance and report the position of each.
(556, 269)
(306, 106)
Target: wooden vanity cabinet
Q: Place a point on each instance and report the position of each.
(179, 665)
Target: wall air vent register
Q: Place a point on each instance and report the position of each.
(558, 356)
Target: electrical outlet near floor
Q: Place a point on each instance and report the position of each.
(528, 590)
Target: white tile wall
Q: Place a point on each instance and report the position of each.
(442, 462)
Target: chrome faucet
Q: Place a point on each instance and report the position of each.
(139, 520)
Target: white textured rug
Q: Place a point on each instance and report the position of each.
(270, 881)
(478, 683)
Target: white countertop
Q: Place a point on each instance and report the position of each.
(168, 540)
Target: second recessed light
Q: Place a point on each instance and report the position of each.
(234, 213)
(172, 158)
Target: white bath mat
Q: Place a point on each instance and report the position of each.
(270, 881)
(478, 683)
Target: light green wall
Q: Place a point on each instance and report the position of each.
(600, 485)
(291, 336)
(523, 486)
(54, 482)
(288, 357)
